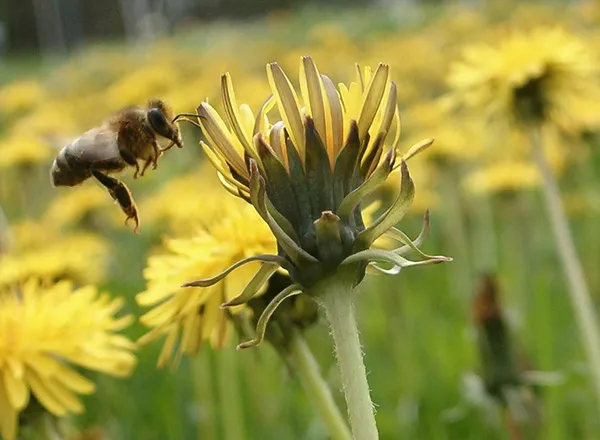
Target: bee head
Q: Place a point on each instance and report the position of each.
(160, 119)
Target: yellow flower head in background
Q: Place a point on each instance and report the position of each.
(46, 332)
(24, 149)
(545, 75)
(79, 257)
(70, 207)
(307, 174)
(21, 96)
(231, 232)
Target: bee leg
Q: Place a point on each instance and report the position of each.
(131, 160)
(121, 194)
(149, 161)
(157, 154)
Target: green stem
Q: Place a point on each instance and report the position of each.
(231, 413)
(305, 365)
(337, 297)
(579, 293)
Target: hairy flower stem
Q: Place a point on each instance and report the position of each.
(578, 289)
(305, 366)
(337, 297)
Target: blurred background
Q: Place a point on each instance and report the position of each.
(66, 64)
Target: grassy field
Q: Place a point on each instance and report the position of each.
(418, 328)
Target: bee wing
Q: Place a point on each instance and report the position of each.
(96, 148)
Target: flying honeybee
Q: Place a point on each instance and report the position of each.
(124, 138)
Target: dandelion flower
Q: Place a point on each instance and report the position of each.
(194, 315)
(21, 96)
(502, 176)
(78, 257)
(545, 75)
(46, 332)
(306, 175)
(70, 207)
(23, 149)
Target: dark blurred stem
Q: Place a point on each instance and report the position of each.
(583, 305)
(305, 366)
(337, 297)
(514, 431)
(230, 399)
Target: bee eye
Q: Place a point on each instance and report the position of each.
(158, 122)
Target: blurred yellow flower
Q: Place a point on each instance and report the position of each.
(46, 332)
(21, 96)
(188, 317)
(23, 149)
(78, 257)
(179, 208)
(73, 205)
(142, 84)
(502, 176)
(545, 75)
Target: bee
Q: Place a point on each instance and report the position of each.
(127, 136)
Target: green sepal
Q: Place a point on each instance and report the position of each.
(279, 186)
(318, 171)
(329, 240)
(298, 181)
(394, 213)
(252, 288)
(344, 166)
(261, 326)
(266, 258)
(352, 200)
(371, 255)
(258, 196)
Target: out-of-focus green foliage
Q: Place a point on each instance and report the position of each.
(417, 330)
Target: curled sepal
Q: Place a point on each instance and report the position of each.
(258, 197)
(423, 234)
(394, 213)
(261, 326)
(417, 148)
(373, 267)
(266, 258)
(351, 201)
(253, 287)
(371, 255)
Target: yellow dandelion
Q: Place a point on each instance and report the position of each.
(21, 96)
(24, 149)
(306, 175)
(189, 317)
(545, 75)
(72, 206)
(45, 333)
(78, 257)
(175, 206)
(501, 177)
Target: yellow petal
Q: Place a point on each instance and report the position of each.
(16, 390)
(289, 108)
(372, 99)
(312, 92)
(221, 138)
(8, 416)
(334, 119)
